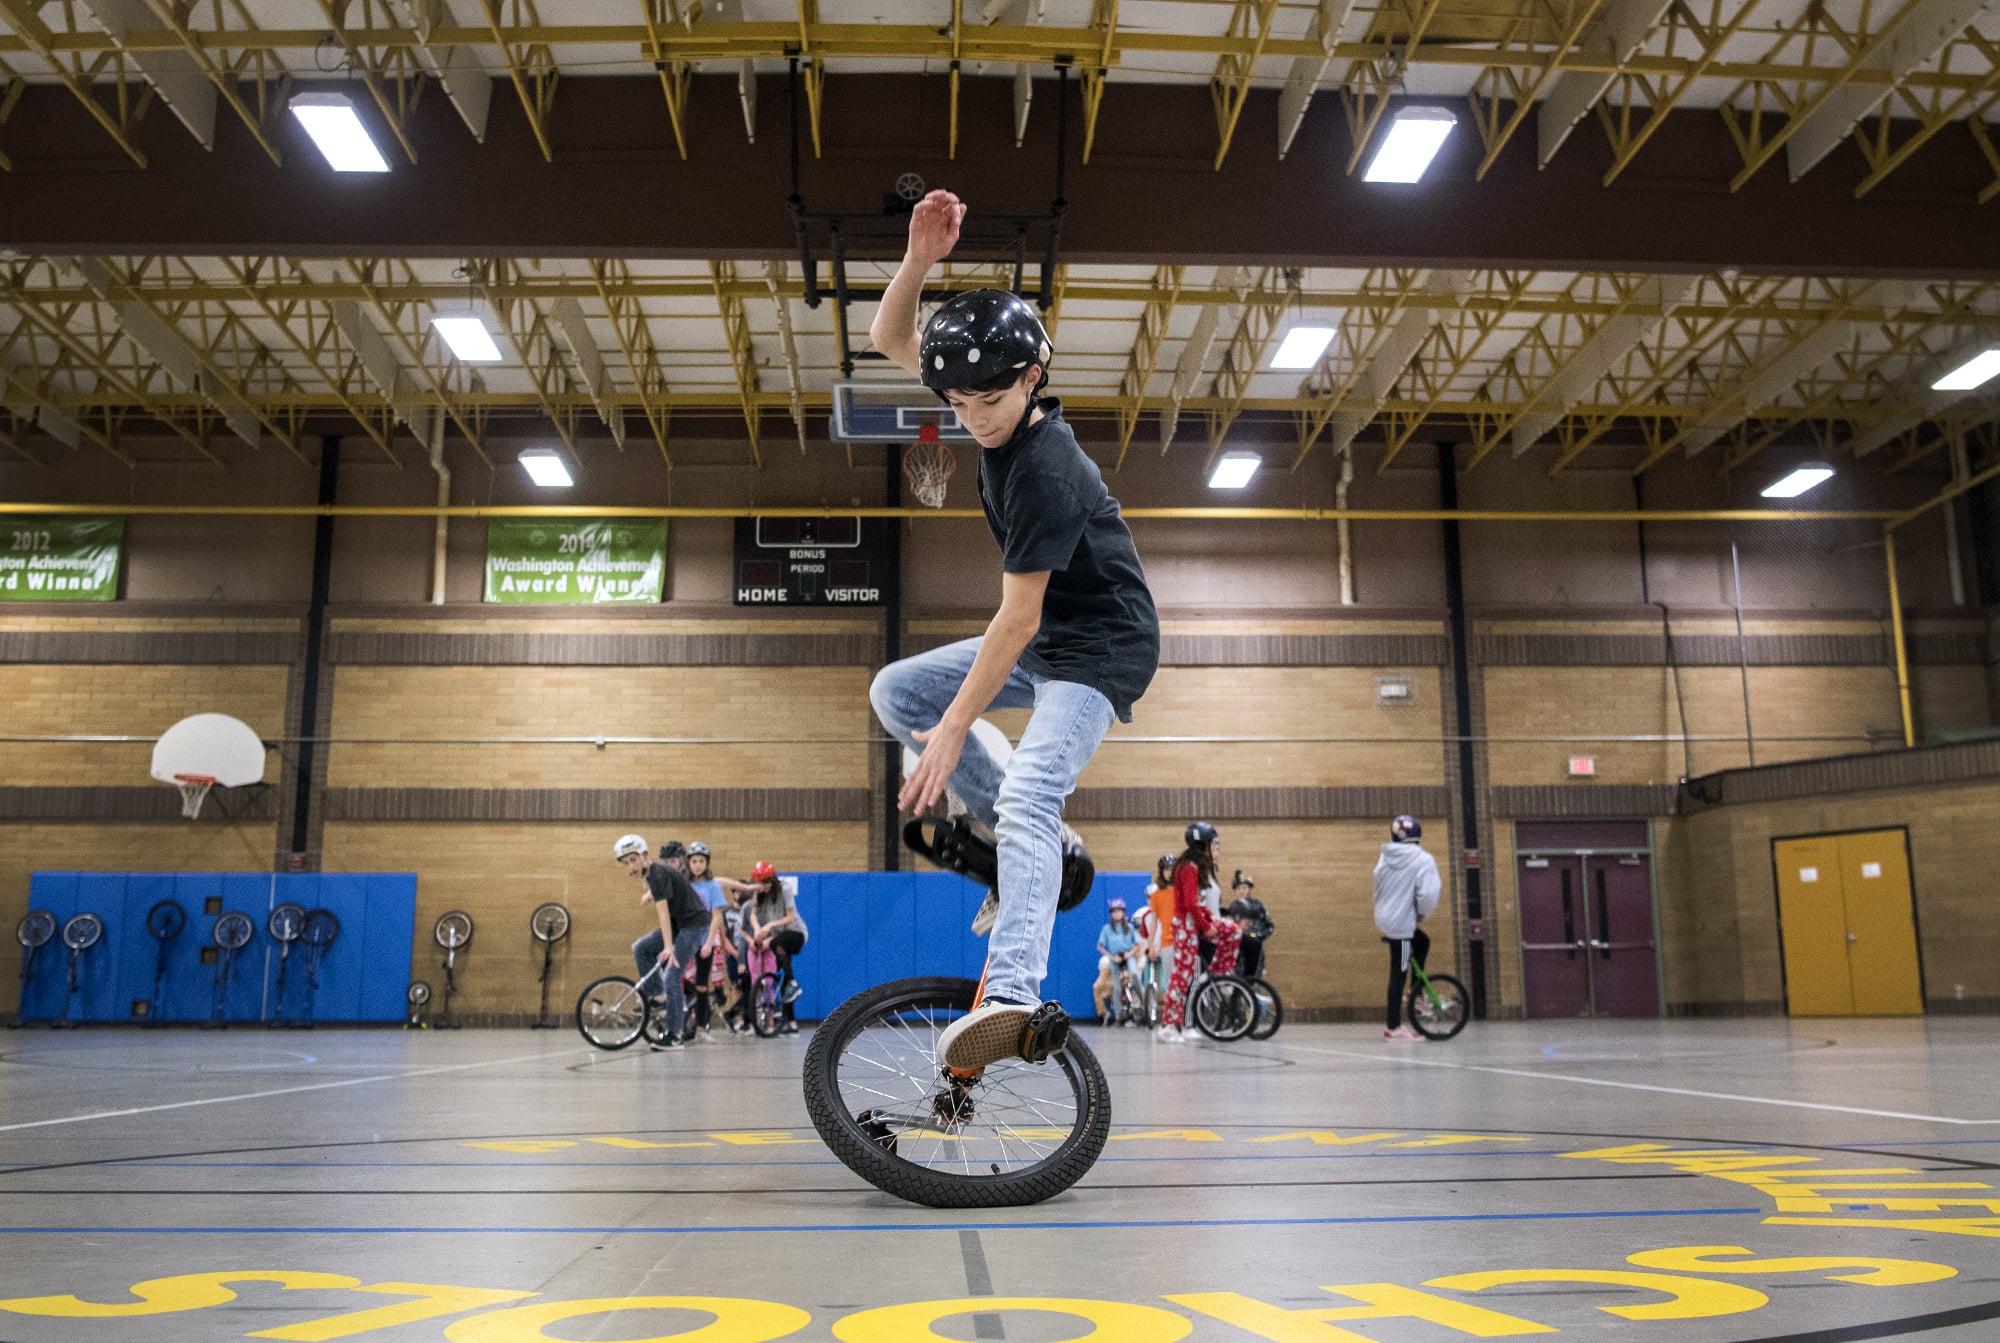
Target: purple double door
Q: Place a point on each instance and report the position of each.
(1586, 896)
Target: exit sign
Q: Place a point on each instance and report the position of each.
(1582, 766)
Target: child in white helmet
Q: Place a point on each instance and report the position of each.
(1407, 887)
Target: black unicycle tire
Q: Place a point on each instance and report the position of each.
(1451, 991)
(864, 1154)
(603, 1040)
(1236, 1027)
(1270, 1009)
(767, 1014)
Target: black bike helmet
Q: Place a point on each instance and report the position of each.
(1406, 829)
(1201, 832)
(673, 848)
(982, 337)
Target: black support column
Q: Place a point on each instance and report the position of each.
(1461, 685)
(892, 649)
(309, 767)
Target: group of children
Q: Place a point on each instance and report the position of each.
(1181, 926)
(717, 937)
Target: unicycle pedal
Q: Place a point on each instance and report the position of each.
(1045, 1034)
(957, 845)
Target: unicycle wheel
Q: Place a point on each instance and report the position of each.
(610, 1013)
(1012, 1134)
(1447, 1016)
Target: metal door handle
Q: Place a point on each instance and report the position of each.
(1569, 915)
(1603, 916)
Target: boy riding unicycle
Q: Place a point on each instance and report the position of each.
(1076, 640)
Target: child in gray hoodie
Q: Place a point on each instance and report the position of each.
(1407, 887)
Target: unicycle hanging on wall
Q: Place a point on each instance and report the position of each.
(284, 925)
(231, 934)
(164, 921)
(35, 931)
(1018, 1131)
(549, 924)
(319, 930)
(80, 934)
(453, 931)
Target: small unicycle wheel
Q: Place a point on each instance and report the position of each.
(1441, 1013)
(1224, 1007)
(767, 1012)
(1270, 1009)
(615, 1011)
(1013, 1133)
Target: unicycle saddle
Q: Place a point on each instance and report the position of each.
(958, 845)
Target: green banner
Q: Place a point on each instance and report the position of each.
(60, 559)
(574, 561)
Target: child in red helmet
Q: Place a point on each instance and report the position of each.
(771, 920)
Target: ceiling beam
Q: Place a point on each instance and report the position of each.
(1614, 37)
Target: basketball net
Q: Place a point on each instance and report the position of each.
(928, 464)
(194, 790)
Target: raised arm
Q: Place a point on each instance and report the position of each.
(933, 233)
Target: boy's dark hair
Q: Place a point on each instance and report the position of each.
(1005, 380)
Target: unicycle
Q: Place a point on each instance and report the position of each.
(164, 921)
(284, 925)
(1018, 1131)
(1438, 1005)
(615, 1011)
(766, 1011)
(33, 932)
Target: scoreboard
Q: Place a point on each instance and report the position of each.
(836, 561)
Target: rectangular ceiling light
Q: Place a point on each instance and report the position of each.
(1979, 369)
(546, 468)
(1799, 481)
(1303, 347)
(1233, 470)
(333, 124)
(1414, 137)
(468, 337)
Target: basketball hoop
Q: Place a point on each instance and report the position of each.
(928, 464)
(194, 790)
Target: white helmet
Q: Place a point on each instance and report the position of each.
(628, 844)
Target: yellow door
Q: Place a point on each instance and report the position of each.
(1881, 927)
(1812, 927)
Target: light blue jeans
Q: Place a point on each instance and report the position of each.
(1023, 806)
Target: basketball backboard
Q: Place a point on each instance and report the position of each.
(891, 412)
(210, 745)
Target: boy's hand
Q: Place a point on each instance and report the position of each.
(926, 784)
(934, 227)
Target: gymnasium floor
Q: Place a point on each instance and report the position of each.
(500, 1187)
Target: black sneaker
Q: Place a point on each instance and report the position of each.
(789, 1028)
(671, 1042)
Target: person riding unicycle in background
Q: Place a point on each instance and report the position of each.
(1407, 887)
(772, 922)
(1076, 639)
(1192, 925)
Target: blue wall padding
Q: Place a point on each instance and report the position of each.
(361, 977)
(869, 927)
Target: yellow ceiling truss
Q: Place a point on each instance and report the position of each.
(1586, 362)
(1891, 80)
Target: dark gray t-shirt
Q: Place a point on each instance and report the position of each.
(1049, 509)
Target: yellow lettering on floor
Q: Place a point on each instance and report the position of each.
(525, 1146)
(737, 1320)
(1688, 1298)
(1382, 1301)
(1453, 1140)
(436, 1301)
(1854, 1201)
(1757, 1179)
(635, 1143)
(1110, 1321)
(1326, 1138)
(1184, 1134)
(1693, 1161)
(776, 1138)
(1871, 1272)
(1988, 1227)
(164, 1296)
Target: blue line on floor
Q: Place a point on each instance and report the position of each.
(793, 1229)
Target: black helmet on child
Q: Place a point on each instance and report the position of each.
(673, 848)
(1201, 832)
(982, 337)
(1406, 829)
